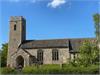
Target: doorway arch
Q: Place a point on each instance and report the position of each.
(20, 61)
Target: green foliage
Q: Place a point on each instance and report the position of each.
(89, 54)
(97, 25)
(50, 68)
(42, 69)
(54, 69)
(66, 69)
(30, 70)
(70, 69)
(7, 70)
(3, 54)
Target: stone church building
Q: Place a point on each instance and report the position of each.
(28, 52)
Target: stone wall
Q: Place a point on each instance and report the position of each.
(17, 54)
(16, 36)
(47, 55)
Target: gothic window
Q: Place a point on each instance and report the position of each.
(40, 56)
(15, 27)
(55, 54)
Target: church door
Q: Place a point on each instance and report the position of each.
(19, 62)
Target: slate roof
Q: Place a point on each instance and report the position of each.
(29, 44)
(72, 44)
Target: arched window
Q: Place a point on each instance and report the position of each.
(40, 56)
(15, 27)
(55, 54)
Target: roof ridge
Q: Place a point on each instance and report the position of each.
(59, 39)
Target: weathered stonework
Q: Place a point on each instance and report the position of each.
(25, 52)
(16, 37)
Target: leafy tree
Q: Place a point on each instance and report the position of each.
(97, 25)
(3, 54)
(88, 54)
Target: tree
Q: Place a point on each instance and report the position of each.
(97, 25)
(88, 54)
(3, 54)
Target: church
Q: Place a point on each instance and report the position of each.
(28, 52)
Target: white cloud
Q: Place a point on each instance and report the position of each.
(56, 3)
(53, 3)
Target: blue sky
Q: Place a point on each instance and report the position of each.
(50, 19)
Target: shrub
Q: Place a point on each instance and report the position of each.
(51, 68)
(93, 69)
(69, 69)
(30, 70)
(7, 70)
(42, 69)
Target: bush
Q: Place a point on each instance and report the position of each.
(51, 68)
(30, 70)
(42, 69)
(7, 70)
(68, 69)
(92, 69)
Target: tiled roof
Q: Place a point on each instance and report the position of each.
(73, 44)
(29, 44)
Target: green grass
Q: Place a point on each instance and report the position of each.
(54, 69)
(7, 70)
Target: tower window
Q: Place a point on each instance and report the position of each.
(55, 54)
(15, 27)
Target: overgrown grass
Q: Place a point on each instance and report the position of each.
(92, 69)
(7, 70)
(65, 69)
(55, 69)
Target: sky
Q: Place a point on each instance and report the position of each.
(50, 19)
